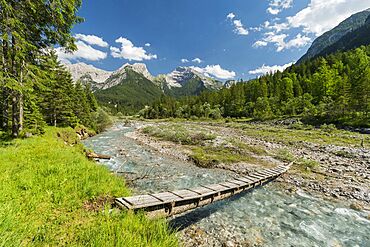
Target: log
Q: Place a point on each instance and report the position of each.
(98, 156)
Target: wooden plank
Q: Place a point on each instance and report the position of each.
(237, 182)
(142, 200)
(230, 185)
(274, 172)
(124, 203)
(166, 197)
(203, 191)
(185, 194)
(189, 196)
(255, 176)
(216, 187)
(263, 173)
(243, 179)
(253, 179)
(268, 173)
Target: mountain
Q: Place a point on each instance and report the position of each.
(131, 87)
(186, 81)
(329, 38)
(230, 83)
(130, 90)
(88, 74)
(351, 40)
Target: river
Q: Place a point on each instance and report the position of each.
(267, 216)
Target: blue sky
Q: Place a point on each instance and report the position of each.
(225, 38)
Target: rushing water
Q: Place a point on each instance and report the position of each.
(267, 214)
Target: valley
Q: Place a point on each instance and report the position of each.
(252, 118)
(327, 186)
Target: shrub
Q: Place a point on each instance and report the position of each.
(328, 128)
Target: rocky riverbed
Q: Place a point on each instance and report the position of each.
(291, 212)
(343, 172)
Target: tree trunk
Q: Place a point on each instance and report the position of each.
(15, 102)
(5, 94)
(21, 108)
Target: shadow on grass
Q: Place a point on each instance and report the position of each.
(5, 140)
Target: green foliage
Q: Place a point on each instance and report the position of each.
(51, 195)
(133, 93)
(333, 89)
(306, 165)
(179, 134)
(328, 127)
(103, 120)
(284, 155)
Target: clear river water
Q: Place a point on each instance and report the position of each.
(267, 214)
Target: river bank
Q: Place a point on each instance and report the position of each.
(332, 165)
(52, 195)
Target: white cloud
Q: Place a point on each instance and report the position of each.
(147, 44)
(130, 52)
(297, 42)
(238, 25)
(279, 41)
(231, 16)
(267, 69)
(91, 40)
(197, 60)
(320, 16)
(184, 60)
(84, 51)
(216, 71)
(239, 28)
(276, 6)
(273, 11)
(260, 43)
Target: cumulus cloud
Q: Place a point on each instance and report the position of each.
(279, 40)
(184, 60)
(267, 69)
(238, 25)
(147, 44)
(197, 60)
(84, 51)
(91, 40)
(276, 6)
(320, 16)
(312, 21)
(130, 52)
(216, 71)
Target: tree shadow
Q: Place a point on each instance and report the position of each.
(5, 140)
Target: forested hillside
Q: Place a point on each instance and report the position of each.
(132, 93)
(35, 89)
(332, 89)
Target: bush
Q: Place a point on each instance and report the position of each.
(328, 128)
(103, 120)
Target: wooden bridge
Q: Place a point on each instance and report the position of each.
(174, 202)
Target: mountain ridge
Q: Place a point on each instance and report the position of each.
(329, 38)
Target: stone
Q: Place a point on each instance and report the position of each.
(357, 206)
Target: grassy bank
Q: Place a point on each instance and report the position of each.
(50, 194)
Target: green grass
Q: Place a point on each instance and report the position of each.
(178, 134)
(307, 165)
(208, 156)
(47, 189)
(296, 136)
(284, 155)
